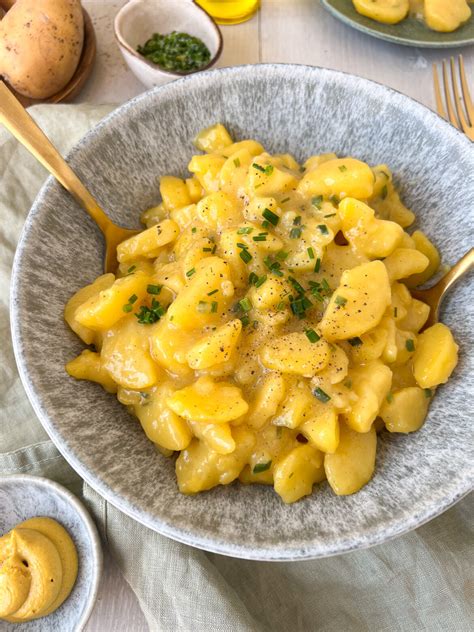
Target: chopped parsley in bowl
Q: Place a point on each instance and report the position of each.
(176, 52)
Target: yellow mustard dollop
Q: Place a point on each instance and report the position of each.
(38, 568)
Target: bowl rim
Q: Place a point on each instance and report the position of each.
(122, 42)
(95, 547)
(216, 544)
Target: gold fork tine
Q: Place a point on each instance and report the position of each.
(449, 103)
(465, 91)
(437, 89)
(457, 99)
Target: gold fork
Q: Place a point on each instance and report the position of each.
(465, 115)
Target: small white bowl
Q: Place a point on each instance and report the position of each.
(136, 22)
(23, 497)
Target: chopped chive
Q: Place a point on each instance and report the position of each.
(245, 304)
(193, 229)
(312, 335)
(214, 307)
(321, 395)
(261, 280)
(389, 398)
(245, 256)
(213, 292)
(245, 230)
(131, 269)
(299, 288)
(384, 192)
(287, 199)
(317, 265)
(245, 320)
(214, 248)
(330, 215)
(270, 216)
(241, 245)
(334, 199)
(316, 201)
(261, 237)
(340, 300)
(280, 306)
(132, 299)
(428, 392)
(295, 233)
(343, 168)
(261, 467)
(258, 167)
(297, 221)
(253, 278)
(190, 273)
(153, 289)
(410, 345)
(269, 170)
(207, 249)
(281, 255)
(237, 162)
(127, 307)
(310, 252)
(265, 224)
(355, 342)
(325, 285)
(324, 229)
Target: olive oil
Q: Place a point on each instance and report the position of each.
(230, 11)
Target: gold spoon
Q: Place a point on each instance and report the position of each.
(16, 119)
(433, 296)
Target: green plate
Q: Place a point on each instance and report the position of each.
(409, 32)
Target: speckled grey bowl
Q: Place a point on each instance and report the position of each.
(23, 497)
(298, 109)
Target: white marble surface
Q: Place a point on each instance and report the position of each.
(297, 31)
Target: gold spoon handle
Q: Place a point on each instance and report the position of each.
(462, 266)
(17, 120)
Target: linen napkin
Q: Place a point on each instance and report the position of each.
(420, 581)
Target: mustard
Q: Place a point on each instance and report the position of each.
(38, 569)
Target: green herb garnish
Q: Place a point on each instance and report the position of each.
(410, 345)
(324, 229)
(176, 52)
(237, 162)
(340, 300)
(321, 395)
(310, 252)
(245, 304)
(316, 201)
(312, 335)
(245, 230)
(154, 289)
(355, 342)
(190, 273)
(261, 467)
(317, 265)
(270, 216)
(245, 255)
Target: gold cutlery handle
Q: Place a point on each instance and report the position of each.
(17, 120)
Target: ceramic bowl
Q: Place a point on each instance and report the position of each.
(23, 497)
(296, 109)
(136, 22)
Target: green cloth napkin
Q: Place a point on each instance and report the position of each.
(420, 581)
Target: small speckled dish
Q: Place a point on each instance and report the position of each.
(409, 32)
(298, 109)
(23, 497)
(136, 22)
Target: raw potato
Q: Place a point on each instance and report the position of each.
(40, 45)
(386, 11)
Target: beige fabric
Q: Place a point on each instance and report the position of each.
(421, 581)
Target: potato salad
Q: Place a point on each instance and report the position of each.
(261, 328)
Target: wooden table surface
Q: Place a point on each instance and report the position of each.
(295, 31)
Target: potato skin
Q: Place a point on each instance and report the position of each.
(40, 45)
